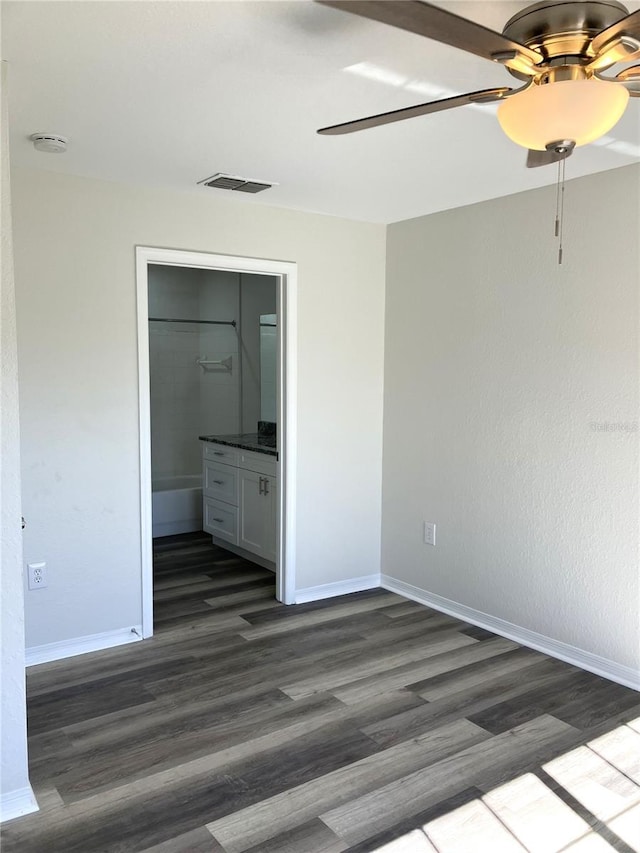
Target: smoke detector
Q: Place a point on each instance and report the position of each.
(50, 143)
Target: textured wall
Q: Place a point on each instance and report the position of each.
(75, 286)
(502, 370)
(13, 731)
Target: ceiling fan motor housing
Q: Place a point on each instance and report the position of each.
(562, 32)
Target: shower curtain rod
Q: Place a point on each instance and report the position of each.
(209, 322)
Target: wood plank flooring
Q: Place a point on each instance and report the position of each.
(352, 725)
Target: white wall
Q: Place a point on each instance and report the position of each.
(499, 367)
(15, 794)
(75, 284)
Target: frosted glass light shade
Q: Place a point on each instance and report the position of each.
(580, 110)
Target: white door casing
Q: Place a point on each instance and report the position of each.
(284, 497)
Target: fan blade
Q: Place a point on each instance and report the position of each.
(619, 50)
(630, 79)
(545, 158)
(482, 96)
(629, 26)
(424, 19)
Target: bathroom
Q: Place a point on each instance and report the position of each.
(213, 371)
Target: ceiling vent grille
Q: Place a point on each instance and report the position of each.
(221, 181)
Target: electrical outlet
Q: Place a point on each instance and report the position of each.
(429, 533)
(37, 575)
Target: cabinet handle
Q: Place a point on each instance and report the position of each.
(266, 486)
(219, 453)
(219, 482)
(219, 520)
(261, 489)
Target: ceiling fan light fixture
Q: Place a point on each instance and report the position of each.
(581, 110)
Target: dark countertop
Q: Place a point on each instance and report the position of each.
(246, 441)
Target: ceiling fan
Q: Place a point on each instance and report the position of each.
(558, 49)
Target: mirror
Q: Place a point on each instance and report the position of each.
(268, 359)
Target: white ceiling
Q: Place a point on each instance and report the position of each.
(167, 93)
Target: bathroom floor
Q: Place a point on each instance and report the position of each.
(195, 580)
(352, 725)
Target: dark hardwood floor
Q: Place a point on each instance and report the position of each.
(362, 723)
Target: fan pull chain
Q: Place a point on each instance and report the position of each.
(557, 225)
(563, 163)
(559, 222)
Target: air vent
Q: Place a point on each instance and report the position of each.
(252, 187)
(220, 181)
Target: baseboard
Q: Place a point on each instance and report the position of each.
(330, 590)
(554, 648)
(17, 803)
(82, 645)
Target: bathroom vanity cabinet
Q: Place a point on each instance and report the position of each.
(239, 497)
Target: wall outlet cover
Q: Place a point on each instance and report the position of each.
(429, 533)
(37, 575)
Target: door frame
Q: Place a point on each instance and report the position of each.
(286, 308)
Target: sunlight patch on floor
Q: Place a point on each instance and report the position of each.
(536, 815)
(526, 815)
(463, 829)
(595, 783)
(591, 843)
(412, 842)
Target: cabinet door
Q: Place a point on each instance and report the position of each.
(257, 526)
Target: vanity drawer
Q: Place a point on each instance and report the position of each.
(220, 481)
(220, 453)
(220, 519)
(259, 462)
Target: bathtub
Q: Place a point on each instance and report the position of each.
(176, 505)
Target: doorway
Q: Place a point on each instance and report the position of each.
(278, 338)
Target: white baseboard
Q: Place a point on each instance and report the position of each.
(330, 590)
(17, 803)
(82, 645)
(571, 654)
